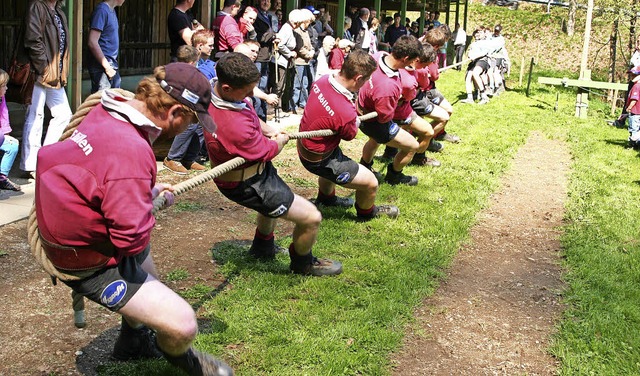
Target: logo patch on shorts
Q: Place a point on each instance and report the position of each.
(394, 129)
(279, 211)
(113, 293)
(343, 178)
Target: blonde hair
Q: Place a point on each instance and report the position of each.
(4, 78)
(153, 95)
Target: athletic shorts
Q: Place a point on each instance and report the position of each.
(421, 104)
(435, 96)
(483, 64)
(337, 167)
(114, 287)
(265, 193)
(408, 120)
(380, 133)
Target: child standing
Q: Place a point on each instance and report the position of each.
(8, 144)
(633, 108)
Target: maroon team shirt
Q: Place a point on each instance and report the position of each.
(226, 32)
(409, 91)
(433, 73)
(634, 94)
(239, 133)
(95, 186)
(382, 92)
(330, 106)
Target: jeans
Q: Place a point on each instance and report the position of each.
(301, 83)
(634, 127)
(56, 100)
(186, 145)
(459, 53)
(263, 84)
(100, 81)
(10, 149)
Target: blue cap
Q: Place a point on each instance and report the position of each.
(312, 9)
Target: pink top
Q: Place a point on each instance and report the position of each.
(5, 127)
(226, 33)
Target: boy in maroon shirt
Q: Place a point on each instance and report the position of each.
(94, 209)
(381, 94)
(256, 184)
(330, 106)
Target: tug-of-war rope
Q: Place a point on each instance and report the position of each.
(158, 203)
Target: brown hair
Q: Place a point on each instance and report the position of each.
(155, 98)
(201, 37)
(358, 62)
(436, 37)
(187, 54)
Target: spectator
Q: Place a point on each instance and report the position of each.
(373, 15)
(279, 16)
(256, 184)
(226, 33)
(328, 44)
(382, 96)
(8, 145)
(395, 31)
(265, 36)
(47, 44)
(434, 21)
(360, 30)
(459, 44)
(319, 26)
(326, 30)
(634, 62)
(286, 60)
(373, 34)
(246, 21)
(104, 43)
(346, 34)
(338, 54)
(186, 146)
(414, 29)
(181, 26)
(108, 235)
(277, 20)
(633, 108)
(331, 107)
(250, 48)
(352, 11)
(304, 54)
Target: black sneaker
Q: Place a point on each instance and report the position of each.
(314, 266)
(136, 344)
(264, 250)
(394, 177)
(343, 202)
(8, 185)
(425, 161)
(390, 211)
(194, 362)
(435, 146)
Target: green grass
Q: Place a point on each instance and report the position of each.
(269, 322)
(186, 206)
(177, 275)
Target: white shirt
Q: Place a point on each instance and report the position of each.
(461, 37)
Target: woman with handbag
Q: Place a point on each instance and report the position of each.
(47, 45)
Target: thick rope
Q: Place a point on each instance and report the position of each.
(32, 225)
(159, 202)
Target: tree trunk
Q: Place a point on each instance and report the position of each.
(571, 22)
(632, 27)
(613, 40)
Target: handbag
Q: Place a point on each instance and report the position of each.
(21, 77)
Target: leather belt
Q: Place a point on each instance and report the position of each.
(242, 174)
(82, 258)
(311, 156)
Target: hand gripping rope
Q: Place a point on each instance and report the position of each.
(82, 111)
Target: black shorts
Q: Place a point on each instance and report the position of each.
(435, 96)
(483, 64)
(114, 287)
(337, 167)
(265, 193)
(421, 104)
(380, 133)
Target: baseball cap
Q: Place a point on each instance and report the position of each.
(186, 84)
(635, 70)
(344, 43)
(312, 9)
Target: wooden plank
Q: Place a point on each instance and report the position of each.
(582, 83)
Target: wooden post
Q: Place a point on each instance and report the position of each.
(614, 101)
(74, 80)
(423, 11)
(205, 14)
(340, 19)
(521, 72)
(582, 99)
(530, 72)
(458, 14)
(466, 14)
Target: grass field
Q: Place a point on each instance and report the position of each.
(274, 323)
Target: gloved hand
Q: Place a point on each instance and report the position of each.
(166, 190)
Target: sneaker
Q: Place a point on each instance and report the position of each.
(175, 166)
(195, 362)
(342, 202)
(467, 100)
(136, 344)
(8, 185)
(435, 146)
(499, 90)
(262, 253)
(196, 166)
(425, 161)
(390, 211)
(484, 101)
(394, 177)
(448, 137)
(317, 267)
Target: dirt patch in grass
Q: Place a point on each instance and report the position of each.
(495, 312)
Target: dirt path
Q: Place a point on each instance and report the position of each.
(495, 312)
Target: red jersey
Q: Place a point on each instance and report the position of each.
(382, 92)
(329, 106)
(239, 133)
(434, 73)
(226, 33)
(634, 94)
(422, 75)
(95, 186)
(336, 58)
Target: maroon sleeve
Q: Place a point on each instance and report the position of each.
(385, 107)
(232, 33)
(433, 71)
(335, 59)
(247, 141)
